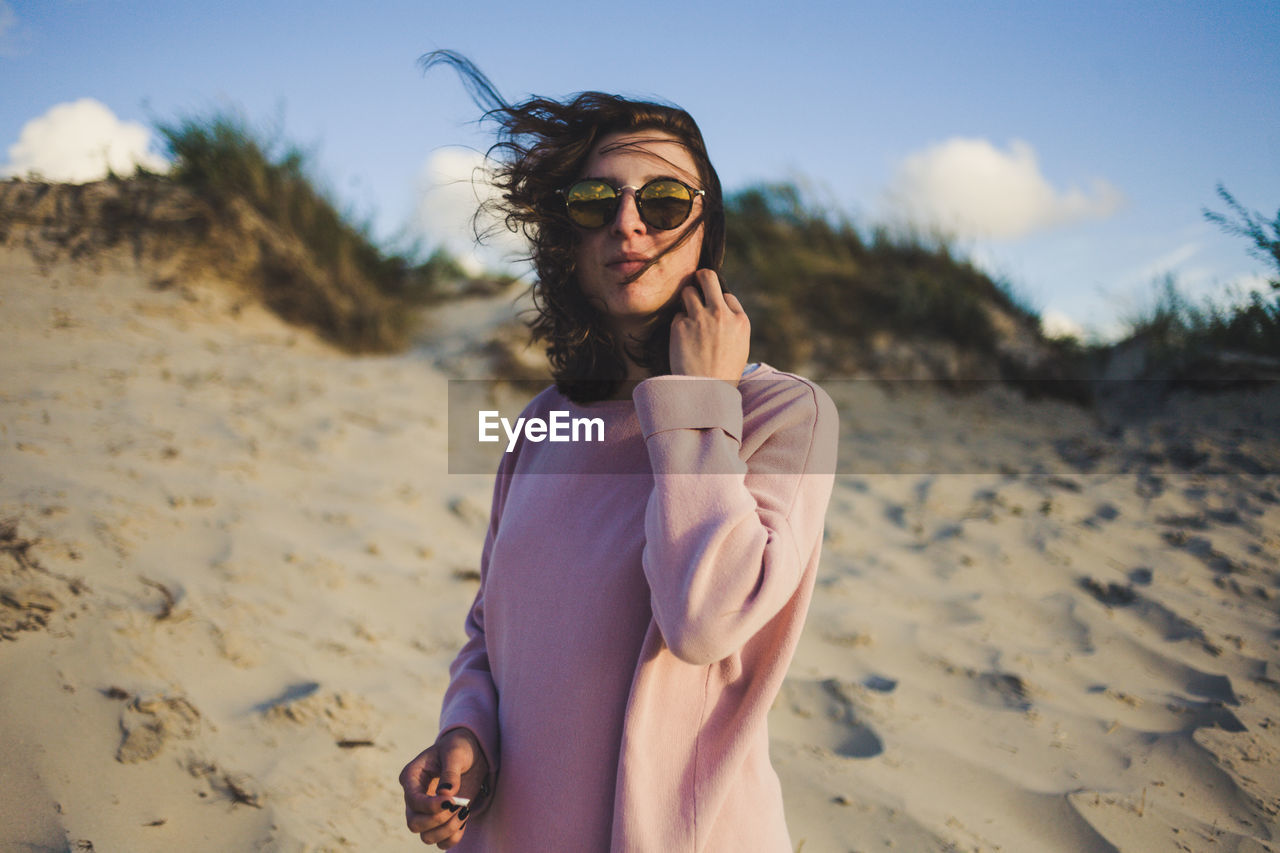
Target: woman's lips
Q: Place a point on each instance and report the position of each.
(628, 264)
(627, 267)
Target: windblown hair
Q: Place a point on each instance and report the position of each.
(542, 146)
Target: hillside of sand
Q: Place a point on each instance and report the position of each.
(234, 568)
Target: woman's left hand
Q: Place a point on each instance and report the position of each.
(713, 339)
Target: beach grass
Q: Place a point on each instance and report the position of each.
(828, 286)
(321, 268)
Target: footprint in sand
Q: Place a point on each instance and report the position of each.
(897, 515)
(1149, 486)
(469, 511)
(823, 714)
(1202, 549)
(1141, 576)
(1002, 690)
(1102, 514)
(239, 788)
(25, 608)
(350, 719)
(149, 722)
(237, 647)
(1189, 698)
(992, 689)
(1168, 624)
(1110, 594)
(31, 596)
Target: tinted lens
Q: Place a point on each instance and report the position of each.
(665, 204)
(591, 204)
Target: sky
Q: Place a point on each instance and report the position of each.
(1069, 149)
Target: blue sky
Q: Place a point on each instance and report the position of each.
(1069, 147)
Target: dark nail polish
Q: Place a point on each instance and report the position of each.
(453, 807)
(465, 810)
(445, 786)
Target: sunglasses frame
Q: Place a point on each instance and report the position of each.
(693, 191)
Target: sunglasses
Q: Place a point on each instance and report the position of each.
(663, 203)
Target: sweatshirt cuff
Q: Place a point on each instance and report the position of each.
(487, 738)
(688, 402)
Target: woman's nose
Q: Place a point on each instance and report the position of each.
(627, 220)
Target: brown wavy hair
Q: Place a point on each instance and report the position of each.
(542, 147)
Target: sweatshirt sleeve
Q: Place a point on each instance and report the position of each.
(733, 520)
(471, 700)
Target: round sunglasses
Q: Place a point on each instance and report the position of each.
(663, 203)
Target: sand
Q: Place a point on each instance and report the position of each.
(234, 568)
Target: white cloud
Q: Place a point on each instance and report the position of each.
(1239, 289)
(971, 188)
(451, 186)
(1251, 283)
(1056, 324)
(77, 142)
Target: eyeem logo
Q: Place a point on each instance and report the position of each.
(560, 427)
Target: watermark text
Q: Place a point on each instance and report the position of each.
(559, 427)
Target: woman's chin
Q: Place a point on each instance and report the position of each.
(636, 309)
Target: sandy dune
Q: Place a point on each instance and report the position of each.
(233, 571)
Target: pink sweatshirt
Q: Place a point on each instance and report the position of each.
(632, 628)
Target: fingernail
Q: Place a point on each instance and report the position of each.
(445, 786)
(450, 806)
(464, 812)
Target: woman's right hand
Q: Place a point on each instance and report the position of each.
(454, 766)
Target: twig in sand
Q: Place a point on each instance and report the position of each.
(241, 792)
(170, 600)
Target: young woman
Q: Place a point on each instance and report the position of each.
(640, 597)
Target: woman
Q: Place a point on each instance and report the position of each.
(632, 628)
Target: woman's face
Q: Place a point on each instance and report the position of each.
(608, 256)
